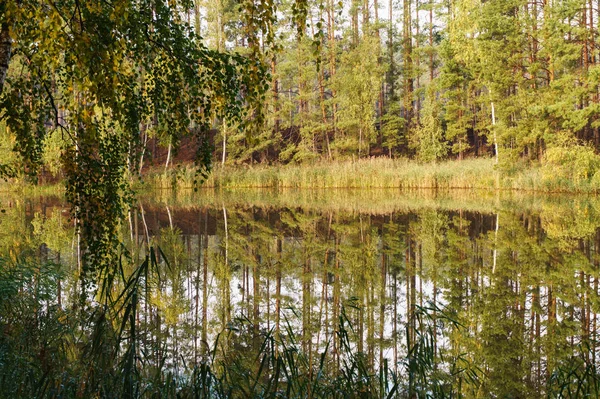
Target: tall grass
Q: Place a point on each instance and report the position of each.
(371, 173)
(376, 173)
(365, 173)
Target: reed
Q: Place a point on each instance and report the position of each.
(378, 173)
(364, 173)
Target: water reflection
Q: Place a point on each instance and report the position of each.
(520, 277)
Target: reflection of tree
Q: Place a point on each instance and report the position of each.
(533, 314)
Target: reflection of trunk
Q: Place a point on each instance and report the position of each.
(594, 324)
(145, 226)
(197, 299)
(306, 311)
(420, 263)
(584, 312)
(58, 284)
(226, 236)
(371, 326)
(77, 244)
(322, 324)
(395, 322)
(205, 284)
(170, 217)
(256, 299)
(278, 289)
(336, 304)
(361, 323)
(496, 242)
(535, 333)
(224, 277)
(410, 307)
(435, 348)
(550, 328)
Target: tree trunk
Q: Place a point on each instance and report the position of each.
(168, 157)
(5, 53)
(275, 85)
(391, 51)
(331, 31)
(407, 72)
(431, 64)
(197, 22)
(224, 144)
(378, 35)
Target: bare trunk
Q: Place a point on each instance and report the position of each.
(408, 61)
(5, 53)
(197, 22)
(494, 127)
(168, 157)
(391, 50)
(224, 144)
(378, 35)
(275, 84)
(144, 145)
(431, 65)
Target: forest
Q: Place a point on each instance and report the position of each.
(429, 80)
(325, 250)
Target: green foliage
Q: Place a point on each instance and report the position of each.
(94, 78)
(357, 85)
(428, 139)
(571, 163)
(392, 128)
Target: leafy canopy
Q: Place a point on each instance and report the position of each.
(99, 72)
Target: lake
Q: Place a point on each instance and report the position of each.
(500, 290)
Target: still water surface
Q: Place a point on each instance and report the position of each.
(508, 284)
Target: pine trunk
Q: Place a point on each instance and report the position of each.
(5, 53)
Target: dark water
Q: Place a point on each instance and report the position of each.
(507, 286)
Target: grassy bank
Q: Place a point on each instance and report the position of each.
(372, 173)
(481, 173)
(368, 173)
(28, 190)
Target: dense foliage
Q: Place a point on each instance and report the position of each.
(345, 80)
(89, 82)
(423, 81)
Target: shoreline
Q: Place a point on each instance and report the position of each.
(379, 173)
(479, 174)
